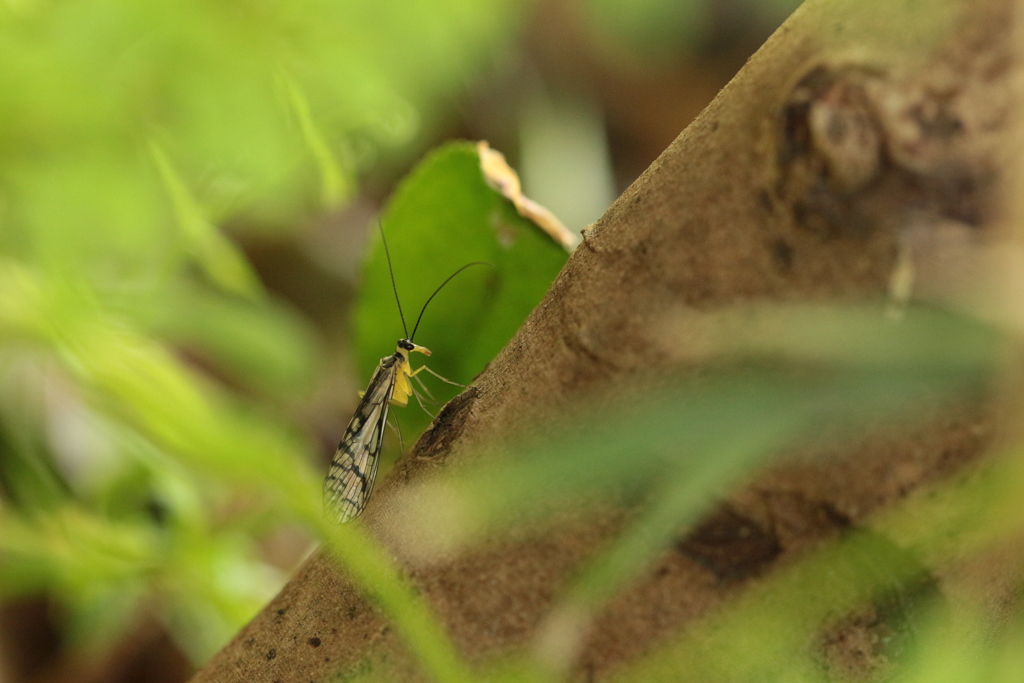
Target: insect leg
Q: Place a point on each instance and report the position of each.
(443, 379)
(426, 389)
(419, 399)
(398, 428)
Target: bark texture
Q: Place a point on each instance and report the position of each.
(861, 138)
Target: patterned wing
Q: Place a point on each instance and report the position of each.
(349, 479)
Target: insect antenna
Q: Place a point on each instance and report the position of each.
(394, 287)
(450, 277)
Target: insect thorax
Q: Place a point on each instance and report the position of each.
(388, 361)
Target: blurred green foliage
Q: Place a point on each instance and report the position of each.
(251, 101)
(143, 367)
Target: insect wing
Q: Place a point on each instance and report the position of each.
(349, 479)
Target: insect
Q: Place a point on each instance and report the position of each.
(353, 468)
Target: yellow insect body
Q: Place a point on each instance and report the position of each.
(403, 386)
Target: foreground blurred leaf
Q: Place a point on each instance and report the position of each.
(700, 435)
(768, 633)
(442, 217)
(679, 448)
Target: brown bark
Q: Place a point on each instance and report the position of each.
(860, 134)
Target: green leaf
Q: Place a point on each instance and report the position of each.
(442, 217)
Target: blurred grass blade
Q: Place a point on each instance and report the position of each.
(366, 561)
(851, 336)
(680, 432)
(783, 413)
(335, 186)
(27, 479)
(768, 633)
(596, 456)
(688, 493)
(774, 632)
(219, 258)
(698, 438)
